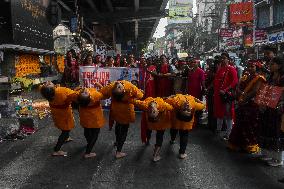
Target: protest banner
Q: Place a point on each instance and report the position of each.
(268, 95)
(89, 75)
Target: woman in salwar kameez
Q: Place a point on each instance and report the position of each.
(271, 134)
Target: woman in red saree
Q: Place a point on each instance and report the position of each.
(71, 70)
(244, 134)
(149, 92)
(225, 81)
(163, 82)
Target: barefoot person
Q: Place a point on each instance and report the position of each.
(158, 119)
(91, 117)
(121, 93)
(60, 99)
(183, 117)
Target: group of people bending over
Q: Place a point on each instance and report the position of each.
(174, 112)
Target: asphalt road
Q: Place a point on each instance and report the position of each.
(28, 164)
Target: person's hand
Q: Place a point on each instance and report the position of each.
(97, 84)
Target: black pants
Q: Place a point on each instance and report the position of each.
(159, 138)
(148, 134)
(61, 140)
(121, 131)
(91, 135)
(183, 135)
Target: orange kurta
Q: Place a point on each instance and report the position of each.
(177, 102)
(123, 112)
(61, 109)
(164, 121)
(92, 116)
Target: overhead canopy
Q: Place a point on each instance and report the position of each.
(129, 20)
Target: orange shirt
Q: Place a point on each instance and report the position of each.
(123, 111)
(164, 117)
(177, 102)
(92, 116)
(61, 109)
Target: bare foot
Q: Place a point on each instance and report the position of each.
(119, 155)
(90, 155)
(182, 156)
(157, 158)
(59, 153)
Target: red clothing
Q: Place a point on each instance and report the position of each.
(71, 71)
(226, 78)
(163, 83)
(149, 92)
(150, 82)
(196, 78)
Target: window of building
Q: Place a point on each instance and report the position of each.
(263, 14)
(278, 12)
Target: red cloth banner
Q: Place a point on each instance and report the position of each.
(226, 32)
(241, 13)
(268, 96)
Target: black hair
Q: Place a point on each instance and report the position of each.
(48, 92)
(84, 100)
(226, 55)
(279, 61)
(272, 49)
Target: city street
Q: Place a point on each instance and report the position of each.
(28, 164)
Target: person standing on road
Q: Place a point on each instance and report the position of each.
(271, 127)
(225, 82)
(91, 117)
(60, 99)
(183, 115)
(121, 93)
(157, 118)
(244, 135)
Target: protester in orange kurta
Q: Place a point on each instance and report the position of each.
(183, 117)
(121, 93)
(91, 117)
(60, 99)
(158, 118)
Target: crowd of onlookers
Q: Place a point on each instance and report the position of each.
(229, 91)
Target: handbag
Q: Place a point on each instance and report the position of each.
(229, 95)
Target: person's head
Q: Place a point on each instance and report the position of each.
(143, 61)
(48, 91)
(88, 60)
(277, 65)
(149, 61)
(254, 66)
(152, 112)
(118, 91)
(109, 61)
(98, 59)
(163, 59)
(269, 53)
(194, 63)
(185, 112)
(174, 61)
(225, 58)
(84, 98)
(69, 55)
(131, 59)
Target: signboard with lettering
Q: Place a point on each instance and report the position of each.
(260, 36)
(30, 25)
(241, 13)
(89, 75)
(268, 96)
(226, 32)
(276, 37)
